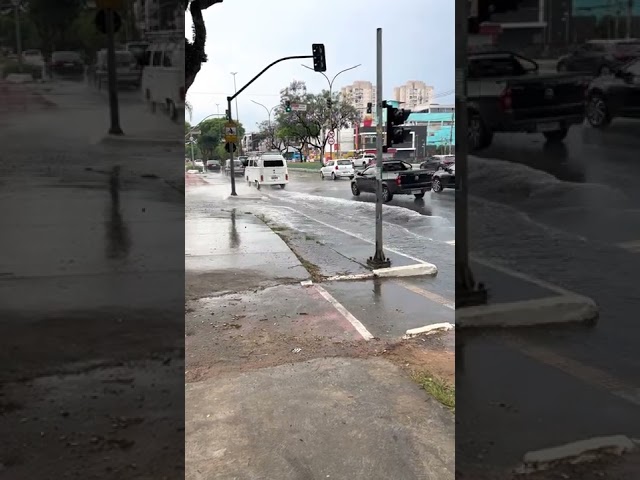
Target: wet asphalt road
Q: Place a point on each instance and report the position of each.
(337, 233)
(560, 215)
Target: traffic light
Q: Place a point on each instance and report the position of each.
(369, 107)
(287, 106)
(319, 61)
(329, 103)
(396, 117)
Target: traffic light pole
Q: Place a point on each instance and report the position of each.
(230, 116)
(113, 81)
(468, 293)
(379, 260)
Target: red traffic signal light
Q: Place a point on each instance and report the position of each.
(319, 60)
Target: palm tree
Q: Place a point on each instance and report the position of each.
(189, 108)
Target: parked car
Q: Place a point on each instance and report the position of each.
(127, 69)
(66, 64)
(444, 177)
(600, 57)
(398, 178)
(269, 168)
(614, 96)
(238, 168)
(200, 164)
(336, 169)
(33, 57)
(213, 165)
(507, 93)
(435, 162)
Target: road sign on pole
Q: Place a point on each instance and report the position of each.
(228, 147)
(299, 107)
(230, 132)
(331, 141)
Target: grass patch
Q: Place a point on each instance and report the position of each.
(438, 389)
(305, 166)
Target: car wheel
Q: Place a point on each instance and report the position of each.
(257, 185)
(333, 176)
(351, 177)
(479, 136)
(282, 185)
(561, 67)
(322, 175)
(597, 111)
(354, 189)
(556, 136)
(173, 111)
(387, 196)
(419, 196)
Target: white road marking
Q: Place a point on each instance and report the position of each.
(434, 297)
(354, 235)
(360, 328)
(451, 242)
(632, 246)
(358, 276)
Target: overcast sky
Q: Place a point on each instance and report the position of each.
(244, 36)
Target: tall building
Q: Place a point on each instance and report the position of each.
(413, 93)
(359, 94)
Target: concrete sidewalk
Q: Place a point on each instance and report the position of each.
(280, 382)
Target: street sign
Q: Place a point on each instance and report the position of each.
(101, 21)
(112, 4)
(331, 134)
(230, 132)
(299, 107)
(331, 141)
(228, 146)
(196, 132)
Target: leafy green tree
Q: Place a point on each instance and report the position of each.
(195, 55)
(51, 20)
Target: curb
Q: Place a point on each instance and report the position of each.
(428, 330)
(416, 270)
(546, 311)
(576, 452)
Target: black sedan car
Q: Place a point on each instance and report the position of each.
(614, 96)
(66, 64)
(444, 177)
(213, 165)
(600, 57)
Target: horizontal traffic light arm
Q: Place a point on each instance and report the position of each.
(230, 98)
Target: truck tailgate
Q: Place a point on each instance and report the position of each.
(415, 179)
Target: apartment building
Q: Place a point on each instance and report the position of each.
(413, 93)
(359, 93)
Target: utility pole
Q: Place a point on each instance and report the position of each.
(379, 260)
(468, 293)
(113, 81)
(16, 5)
(235, 90)
(629, 17)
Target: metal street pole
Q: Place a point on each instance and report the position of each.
(235, 90)
(16, 4)
(113, 82)
(231, 166)
(379, 260)
(467, 292)
(629, 17)
(192, 154)
(331, 96)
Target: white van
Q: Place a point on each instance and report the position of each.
(267, 169)
(163, 77)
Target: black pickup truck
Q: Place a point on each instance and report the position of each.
(507, 93)
(398, 178)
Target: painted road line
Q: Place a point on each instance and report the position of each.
(360, 328)
(434, 297)
(592, 376)
(451, 242)
(632, 246)
(354, 235)
(417, 270)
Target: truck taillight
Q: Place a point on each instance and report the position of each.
(398, 181)
(336, 167)
(286, 177)
(262, 178)
(505, 99)
(182, 93)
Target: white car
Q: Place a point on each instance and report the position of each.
(33, 57)
(336, 169)
(199, 164)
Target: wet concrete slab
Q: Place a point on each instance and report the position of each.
(506, 288)
(387, 308)
(326, 418)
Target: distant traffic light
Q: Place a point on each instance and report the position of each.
(396, 117)
(319, 61)
(287, 106)
(369, 107)
(329, 103)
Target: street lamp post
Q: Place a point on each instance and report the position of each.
(330, 82)
(269, 110)
(235, 90)
(16, 5)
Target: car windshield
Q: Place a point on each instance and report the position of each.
(396, 167)
(65, 56)
(344, 162)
